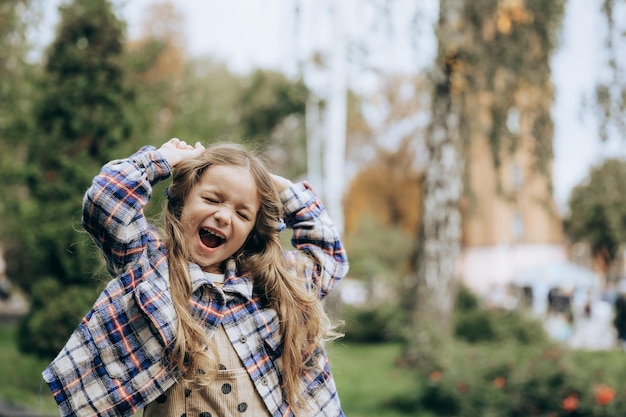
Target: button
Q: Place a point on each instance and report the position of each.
(226, 388)
(264, 381)
(243, 339)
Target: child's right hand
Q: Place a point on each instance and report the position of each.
(176, 150)
(281, 183)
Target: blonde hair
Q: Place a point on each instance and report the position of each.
(303, 322)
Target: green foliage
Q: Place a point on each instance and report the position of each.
(81, 118)
(22, 376)
(383, 319)
(55, 311)
(466, 301)
(512, 380)
(377, 324)
(511, 369)
(510, 50)
(598, 208)
(610, 91)
(270, 113)
(392, 247)
(16, 98)
(476, 324)
(268, 98)
(206, 102)
(85, 92)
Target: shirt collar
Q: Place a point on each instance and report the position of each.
(232, 282)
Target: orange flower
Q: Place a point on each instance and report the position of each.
(435, 375)
(603, 394)
(462, 387)
(499, 382)
(570, 403)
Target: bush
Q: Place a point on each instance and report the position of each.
(466, 300)
(47, 326)
(372, 324)
(513, 380)
(517, 327)
(476, 324)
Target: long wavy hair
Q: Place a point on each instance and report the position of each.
(303, 322)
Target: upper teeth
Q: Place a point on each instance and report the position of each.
(214, 233)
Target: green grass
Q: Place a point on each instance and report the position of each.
(367, 379)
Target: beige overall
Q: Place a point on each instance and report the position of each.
(230, 394)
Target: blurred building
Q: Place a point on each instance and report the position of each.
(511, 222)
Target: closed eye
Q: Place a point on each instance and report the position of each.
(244, 216)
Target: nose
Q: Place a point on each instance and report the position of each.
(223, 214)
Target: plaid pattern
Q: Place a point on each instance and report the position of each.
(114, 363)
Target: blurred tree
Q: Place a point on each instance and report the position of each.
(392, 246)
(610, 92)
(199, 99)
(270, 112)
(386, 190)
(206, 104)
(269, 98)
(16, 97)
(488, 51)
(156, 62)
(397, 112)
(597, 209)
(82, 123)
(380, 220)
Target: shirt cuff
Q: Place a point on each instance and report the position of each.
(152, 161)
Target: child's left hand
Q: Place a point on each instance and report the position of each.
(176, 150)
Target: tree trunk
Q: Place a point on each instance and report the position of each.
(334, 154)
(434, 280)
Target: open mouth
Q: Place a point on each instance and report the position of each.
(210, 238)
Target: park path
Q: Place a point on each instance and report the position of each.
(595, 332)
(8, 409)
(10, 311)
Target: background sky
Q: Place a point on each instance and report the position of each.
(249, 33)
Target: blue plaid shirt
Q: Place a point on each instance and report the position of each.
(114, 362)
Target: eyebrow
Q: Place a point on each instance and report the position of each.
(247, 207)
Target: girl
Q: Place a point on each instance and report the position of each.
(211, 317)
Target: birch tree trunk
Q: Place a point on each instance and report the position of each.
(334, 153)
(434, 282)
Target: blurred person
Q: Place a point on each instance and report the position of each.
(619, 319)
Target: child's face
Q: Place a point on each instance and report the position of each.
(219, 214)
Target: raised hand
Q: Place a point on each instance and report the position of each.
(176, 150)
(281, 183)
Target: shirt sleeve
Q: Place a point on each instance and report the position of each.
(113, 206)
(314, 236)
